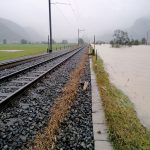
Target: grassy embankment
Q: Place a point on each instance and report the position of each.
(28, 49)
(125, 130)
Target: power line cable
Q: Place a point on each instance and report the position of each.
(74, 13)
(77, 8)
(61, 3)
(64, 16)
(73, 10)
(69, 4)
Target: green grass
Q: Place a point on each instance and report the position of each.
(125, 130)
(29, 49)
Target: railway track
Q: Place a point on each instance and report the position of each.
(5, 74)
(15, 62)
(31, 109)
(14, 84)
(8, 68)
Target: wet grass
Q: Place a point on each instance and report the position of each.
(28, 49)
(125, 130)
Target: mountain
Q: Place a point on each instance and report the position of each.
(33, 35)
(138, 30)
(13, 32)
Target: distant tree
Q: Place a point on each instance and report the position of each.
(100, 42)
(4, 41)
(112, 42)
(81, 41)
(46, 42)
(136, 42)
(23, 41)
(144, 41)
(120, 38)
(132, 42)
(64, 42)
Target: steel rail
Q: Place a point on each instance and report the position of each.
(27, 68)
(12, 63)
(9, 98)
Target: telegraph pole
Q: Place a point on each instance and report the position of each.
(50, 28)
(48, 45)
(94, 42)
(78, 36)
(147, 38)
(50, 24)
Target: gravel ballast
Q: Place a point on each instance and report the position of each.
(28, 76)
(20, 123)
(76, 131)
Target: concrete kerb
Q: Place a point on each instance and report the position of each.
(101, 141)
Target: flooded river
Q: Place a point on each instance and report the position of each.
(129, 70)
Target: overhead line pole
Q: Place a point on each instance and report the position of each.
(78, 37)
(94, 42)
(50, 28)
(50, 25)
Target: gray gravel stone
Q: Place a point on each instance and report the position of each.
(30, 112)
(76, 131)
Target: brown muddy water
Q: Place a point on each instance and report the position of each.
(129, 70)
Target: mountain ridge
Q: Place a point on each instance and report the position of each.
(14, 32)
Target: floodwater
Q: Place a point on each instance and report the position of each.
(129, 70)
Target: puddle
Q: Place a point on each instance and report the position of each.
(12, 51)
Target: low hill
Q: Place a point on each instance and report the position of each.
(13, 32)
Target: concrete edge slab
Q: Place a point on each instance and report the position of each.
(101, 141)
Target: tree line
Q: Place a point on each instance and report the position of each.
(24, 41)
(121, 38)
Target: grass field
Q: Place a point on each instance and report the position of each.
(28, 49)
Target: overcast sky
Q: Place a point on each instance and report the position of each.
(94, 16)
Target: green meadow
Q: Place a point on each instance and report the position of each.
(27, 49)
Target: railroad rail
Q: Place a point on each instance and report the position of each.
(14, 62)
(16, 71)
(16, 83)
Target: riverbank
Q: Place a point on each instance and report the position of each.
(125, 130)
